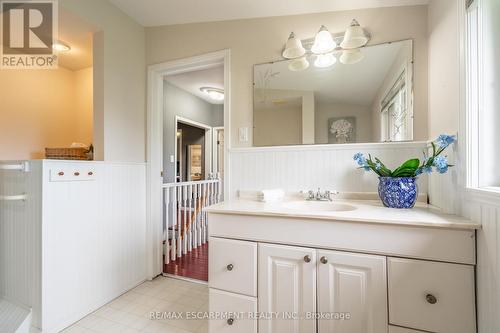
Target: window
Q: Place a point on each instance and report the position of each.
(483, 95)
(396, 120)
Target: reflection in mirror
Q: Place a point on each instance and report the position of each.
(366, 96)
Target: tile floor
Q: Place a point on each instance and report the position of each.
(130, 313)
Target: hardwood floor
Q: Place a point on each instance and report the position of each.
(193, 265)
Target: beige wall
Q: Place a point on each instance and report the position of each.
(261, 40)
(119, 81)
(43, 108)
(279, 126)
(444, 67)
(84, 105)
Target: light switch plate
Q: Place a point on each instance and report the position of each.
(243, 134)
(172, 158)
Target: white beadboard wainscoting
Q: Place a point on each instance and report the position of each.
(77, 241)
(295, 168)
(486, 209)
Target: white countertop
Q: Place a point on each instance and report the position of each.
(365, 211)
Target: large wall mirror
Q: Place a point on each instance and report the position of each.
(363, 98)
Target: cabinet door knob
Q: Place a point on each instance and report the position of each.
(77, 173)
(230, 267)
(431, 299)
(61, 173)
(230, 321)
(307, 258)
(323, 260)
(90, 173)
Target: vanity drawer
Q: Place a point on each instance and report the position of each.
(396, 329)
(431, 296)
(236, 308)
(233, 266)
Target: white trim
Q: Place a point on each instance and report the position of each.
(348, 146)
(490, 196)
(156, 73)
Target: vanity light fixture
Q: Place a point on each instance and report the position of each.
(299, 64)
(355, 36)
(293, 48)
(60, 47)
(214, 93)
(351, 57)
(323, 42)
(325, 60)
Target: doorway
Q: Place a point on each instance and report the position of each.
(156, 156)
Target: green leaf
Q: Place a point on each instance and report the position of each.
(407, 167)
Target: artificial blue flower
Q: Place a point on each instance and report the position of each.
(424, 169)
(441, 164)
(366, 167)
(360, 158)
(378, 166)
(444, 140)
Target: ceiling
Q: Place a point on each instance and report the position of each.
(192, 81)
(356, 84)
(76, 33)
(165, 12)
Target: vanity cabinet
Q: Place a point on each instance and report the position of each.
(352, 286)
(287, 287)
(316, 276)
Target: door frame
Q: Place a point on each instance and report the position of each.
(215, 153)
(154, 152)
(208, 140)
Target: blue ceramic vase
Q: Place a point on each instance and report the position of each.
(398, 192)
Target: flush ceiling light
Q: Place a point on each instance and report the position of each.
(351, 57)
(323, 42)
(293, 48)
(354, 37)
(214, 93)
(325, 60)
(298, 64)
(60, 47)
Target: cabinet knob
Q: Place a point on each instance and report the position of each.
(431, 299)
(230, 267)
(230, 321)
(77, 173)
(61, 173)
(323, 260)
(90, 173)
(307, 258)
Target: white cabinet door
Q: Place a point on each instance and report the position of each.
(287, 288)
(352, 293)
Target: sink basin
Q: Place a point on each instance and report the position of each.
(318, 206)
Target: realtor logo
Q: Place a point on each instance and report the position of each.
(28, 31)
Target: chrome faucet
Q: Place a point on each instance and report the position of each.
(320, 196)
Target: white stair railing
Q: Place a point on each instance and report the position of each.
(186, 226)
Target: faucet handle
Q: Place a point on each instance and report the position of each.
(330, 193)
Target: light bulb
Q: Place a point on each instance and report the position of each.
(323, 42)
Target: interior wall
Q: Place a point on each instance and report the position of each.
(444, 67)
(325, 111)
(178, 102)
(278, 126)
(84, 98)
(120, 81)
(261, 40)
(44, 108)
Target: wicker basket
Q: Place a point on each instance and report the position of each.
(68, 154)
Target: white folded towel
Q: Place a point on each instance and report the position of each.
(271, 195)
